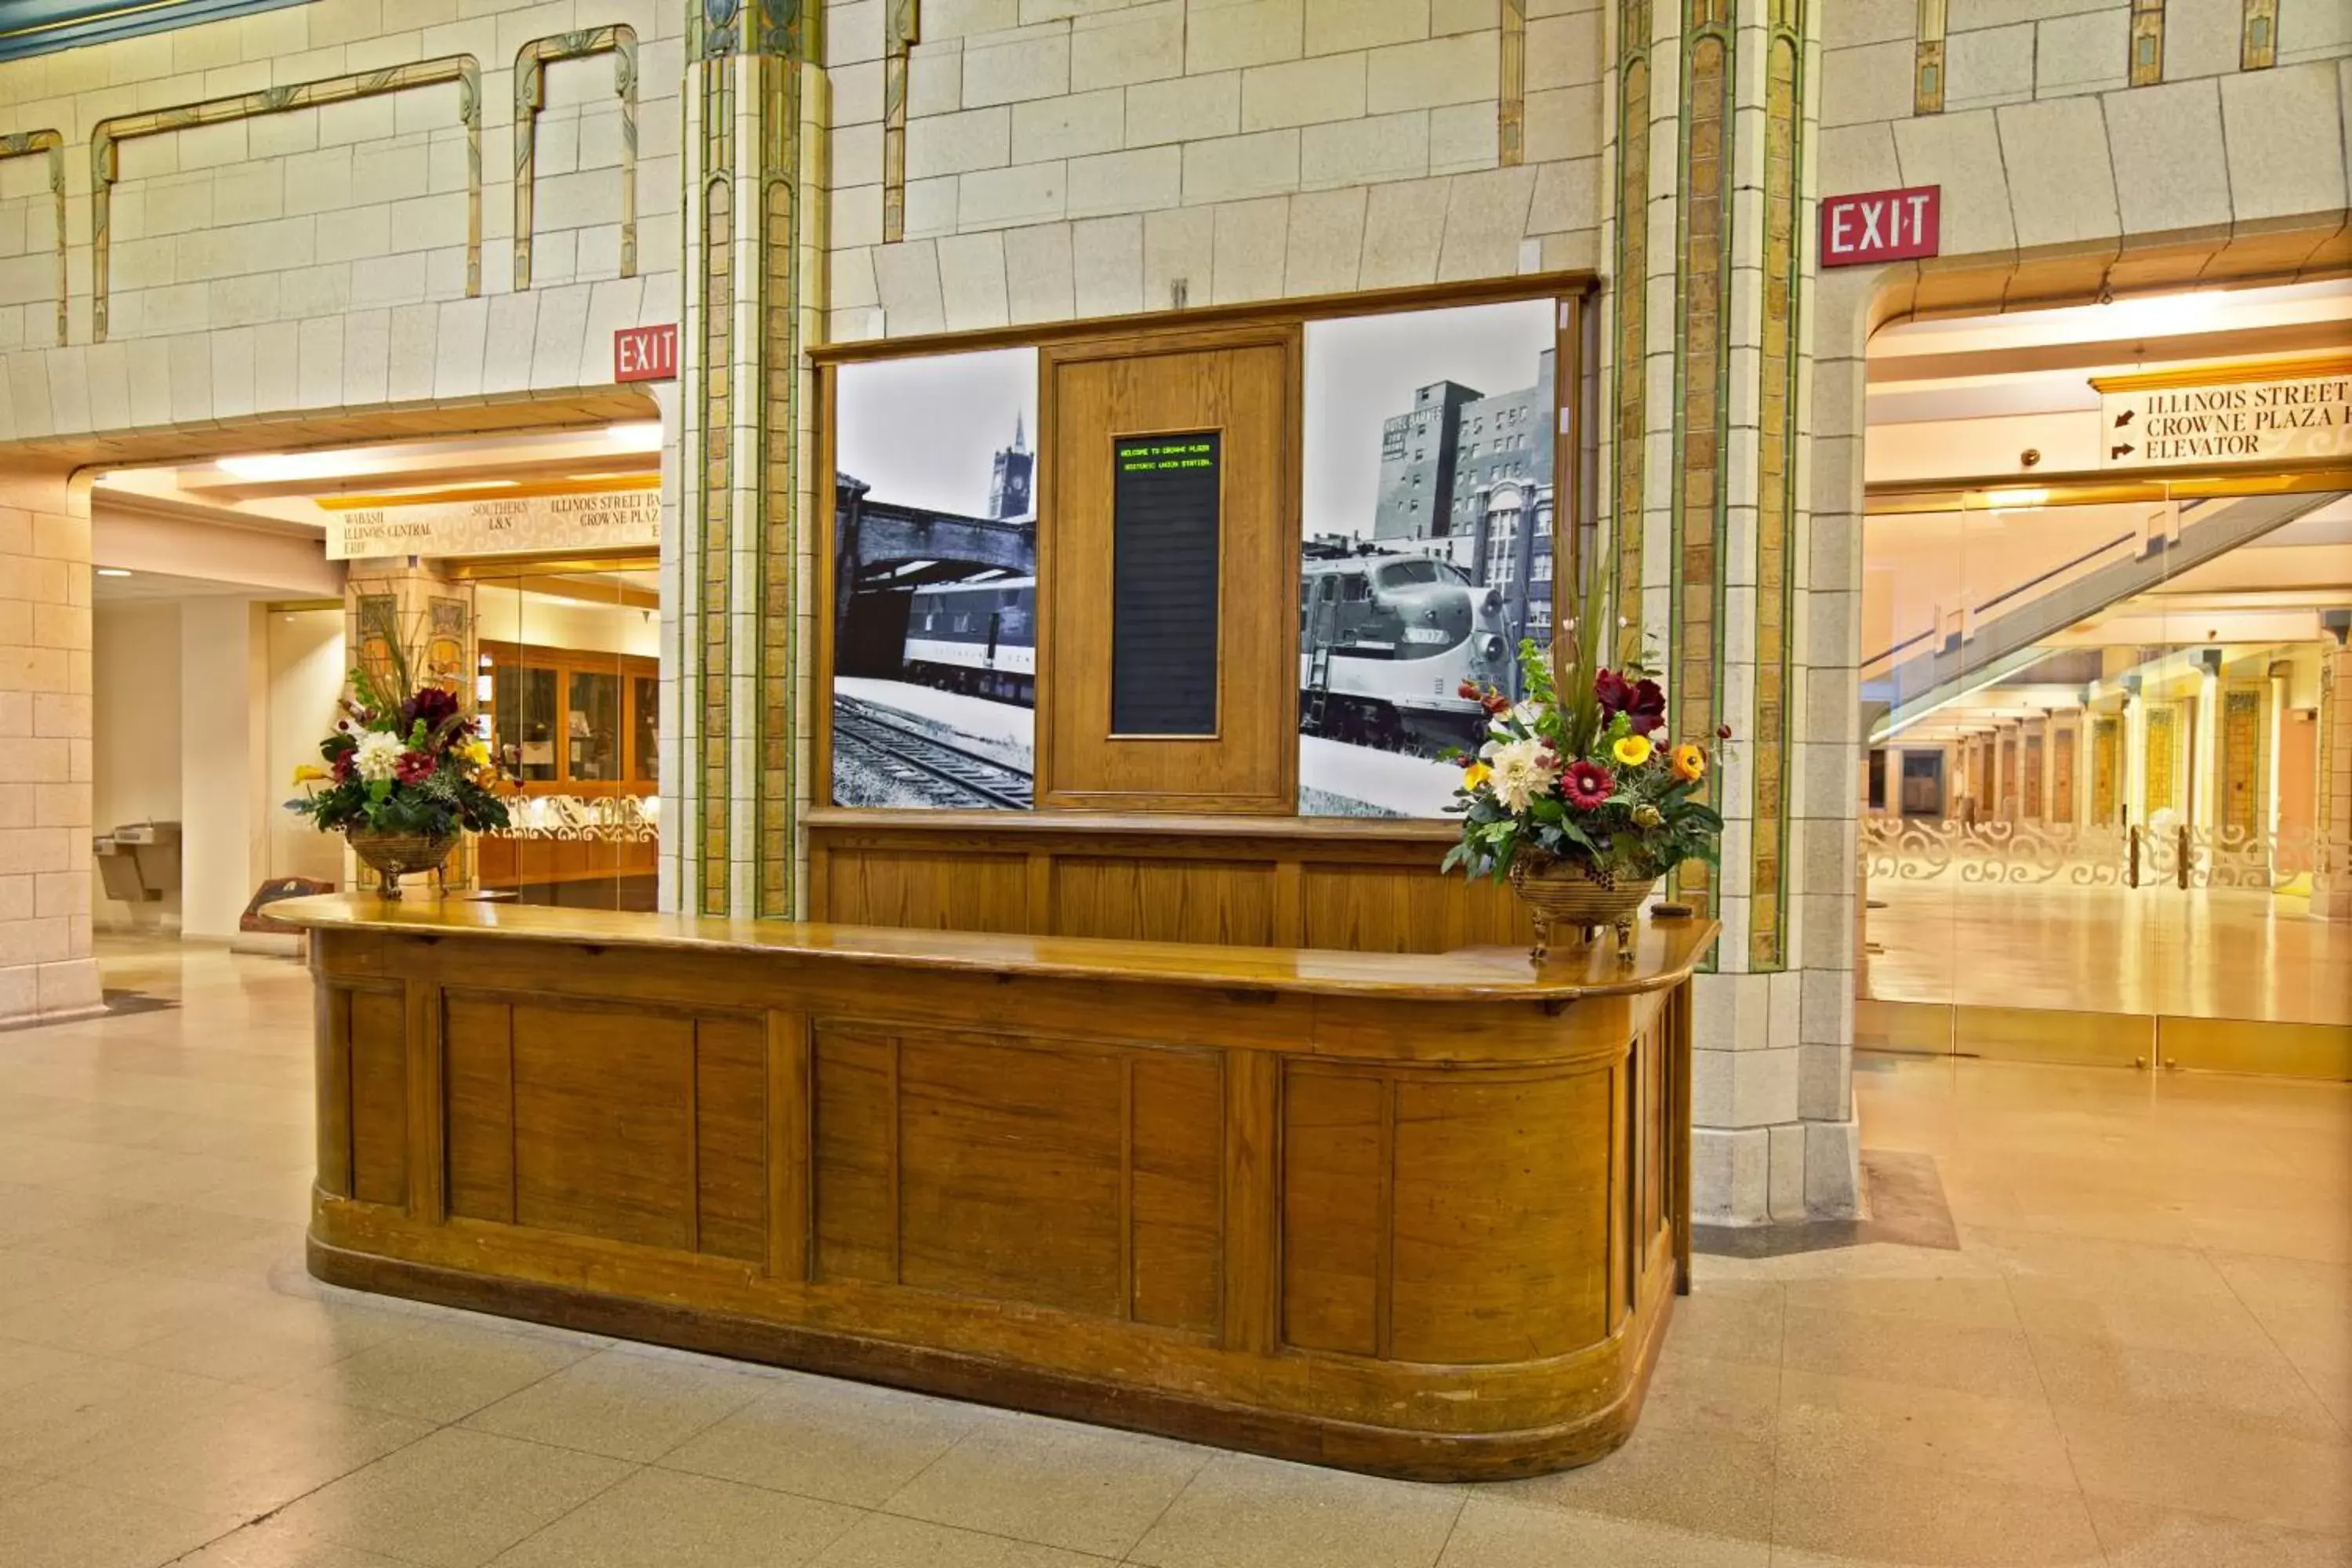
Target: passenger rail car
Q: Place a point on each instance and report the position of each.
(979, 638)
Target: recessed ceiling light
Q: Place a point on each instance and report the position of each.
(637, 436)
(272, 466)
(114, 571)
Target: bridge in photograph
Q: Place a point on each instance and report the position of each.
(883, 551)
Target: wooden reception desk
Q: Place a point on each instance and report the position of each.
(1417, 1215)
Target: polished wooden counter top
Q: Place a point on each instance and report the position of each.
(1418, 1213)
(1666, 951)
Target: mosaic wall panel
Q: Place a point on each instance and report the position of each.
(1511, 86)
(2242, 761)
(2162, 732)
(2147, 42)
(1927, 60)
(1701, 370)
(2258, 36)
(1630, 355)
(1775, 491)
(2063, 747)
(2107, 768)
(531, 61)
(902, 28)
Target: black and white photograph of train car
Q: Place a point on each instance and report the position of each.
(935, 584)
(1427, 549)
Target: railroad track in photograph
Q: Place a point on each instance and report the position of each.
(893, 748)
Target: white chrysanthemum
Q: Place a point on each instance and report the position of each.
(1519, 773)
(378, 755)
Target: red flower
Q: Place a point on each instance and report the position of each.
(1496, 703)
(1722, 731)
(1468, 690)
(343, 767)
(413, 767)
(431, 704)
(1643, 705)
(1587, 784)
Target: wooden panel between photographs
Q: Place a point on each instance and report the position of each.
(1244, 385)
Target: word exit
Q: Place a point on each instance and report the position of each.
(1880, 226)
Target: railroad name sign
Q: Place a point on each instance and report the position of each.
(1881, 226)
(605, 519)
(2251, 416)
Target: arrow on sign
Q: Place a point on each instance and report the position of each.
(2123, 451)
(2124, 418)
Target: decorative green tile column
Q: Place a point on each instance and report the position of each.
(755, 110)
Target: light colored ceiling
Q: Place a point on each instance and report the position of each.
(148, 586)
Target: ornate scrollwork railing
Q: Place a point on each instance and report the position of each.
(612, 819)
(2020, 854)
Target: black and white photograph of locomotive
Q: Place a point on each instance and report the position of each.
(1428, 502)
(935, 582)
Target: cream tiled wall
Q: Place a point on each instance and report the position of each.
(1072, 158)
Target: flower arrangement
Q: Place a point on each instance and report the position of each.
(1589, 782)
(403, 761)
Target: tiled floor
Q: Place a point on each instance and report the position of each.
(2141, 1355)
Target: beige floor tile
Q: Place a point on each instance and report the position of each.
(56, 1525)
(273, 1449)
(1084, 1488)
(268, 1340)
(2138, 1536)
(1694, 1391)
(1730, 1320)
(1967, 1301)
(438, 1371)
(21, 1363)
(2262, 1392)
(631, 1408)
(887, 1540)
(655, 1518)
(1928, 1519)
(822, 1439)
(124, 1309)
(1242, 1511)
(2257, 1477)
(29, 1278)
(272, 1544)
(1692, 1479)
(456, 1500)
(2215, 1325)
(1491, 1534)
(1994, 1362)
(61, 1423)
(1850, 1426)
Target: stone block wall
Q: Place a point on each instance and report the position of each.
(272, 225)
(1074, 158)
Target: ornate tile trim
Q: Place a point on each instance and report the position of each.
(781, 426)
(1511, 87)
(1632, 298)
(1928, 63)
(1776, 486)
(51, 143)
(107, 137)
(2147, 42)
(531, 61)
(2258, 36)
(1702, 377)
(710, 469)
(902, 28)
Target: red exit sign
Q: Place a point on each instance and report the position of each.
(1880, 226)
(646, 353)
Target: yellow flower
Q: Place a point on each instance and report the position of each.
(476, 753)
(1476, 774)
(1632, 751)
(1689, 762)
(305, 774)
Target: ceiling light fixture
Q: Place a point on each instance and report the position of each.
(636, 435)
(114, 571)
(270, 467)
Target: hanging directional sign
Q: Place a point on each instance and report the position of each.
(2288, 411)
(504, 525)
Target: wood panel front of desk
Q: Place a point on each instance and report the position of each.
(1426, 1222)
